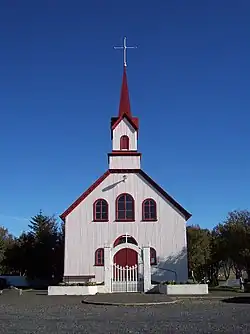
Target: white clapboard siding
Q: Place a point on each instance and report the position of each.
(124, 128)
(83, 236)
(124, 162)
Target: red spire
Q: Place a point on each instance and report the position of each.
(124, 100)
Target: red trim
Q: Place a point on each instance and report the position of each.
(84, 195)
(133, 153)
(94, 211)
(143, 210)
(124, 142)
(116, 211)
(153, 255)
(184, 212)
(101, 262)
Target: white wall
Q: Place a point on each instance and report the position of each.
(124, 128)
(124, 162)
(167, 235)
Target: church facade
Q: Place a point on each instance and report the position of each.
(125, 206)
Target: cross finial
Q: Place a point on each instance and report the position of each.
(126, 237)
(125, 47)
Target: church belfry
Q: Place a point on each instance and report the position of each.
(124, 133)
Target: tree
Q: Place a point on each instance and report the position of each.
(199, 250)
(38, 253)
(44, 231)
(6, 240)
(234, 235)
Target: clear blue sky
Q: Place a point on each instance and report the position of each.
(60, 83)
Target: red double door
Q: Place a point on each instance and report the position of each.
(126, 257)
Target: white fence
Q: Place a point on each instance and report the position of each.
(126, 279)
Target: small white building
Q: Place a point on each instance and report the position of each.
(124, 211)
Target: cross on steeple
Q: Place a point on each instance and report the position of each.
(125, 47)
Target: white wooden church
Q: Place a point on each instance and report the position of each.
(124, 211)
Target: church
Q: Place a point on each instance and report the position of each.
(125, 210)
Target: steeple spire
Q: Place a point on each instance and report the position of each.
(124, 107)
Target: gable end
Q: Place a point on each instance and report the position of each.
(170, 199)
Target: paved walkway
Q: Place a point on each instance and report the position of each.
(129, 299)
(154, 299)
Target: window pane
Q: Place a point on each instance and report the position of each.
(122, 240)
(152, 256)
(104, 207)
(121, 206)
(146, 209)
(153, 212)
(129, 206)
(129, 199)
(131, 241)
(105, 216)
(121, 214)
(129, 214)
(98, 207)
(98, 215)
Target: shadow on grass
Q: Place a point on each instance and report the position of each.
(237, 300)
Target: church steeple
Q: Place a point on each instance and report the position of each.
(124, 134)
(124, 107)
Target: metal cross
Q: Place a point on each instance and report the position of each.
(126, 237)
(125, 47)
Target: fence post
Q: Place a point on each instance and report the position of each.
(108, 267)
(146, 268)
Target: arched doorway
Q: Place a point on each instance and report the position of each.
(126, 256)
(127, 272)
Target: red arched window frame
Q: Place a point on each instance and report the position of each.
(125, 208)
(99, 257)
(153, 259)
(100, 210)
(149, 210)
(124, 143)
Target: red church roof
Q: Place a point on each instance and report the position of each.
(124, 107)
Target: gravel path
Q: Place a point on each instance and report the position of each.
(37, 313)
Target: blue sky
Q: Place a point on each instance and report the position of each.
(60, 82)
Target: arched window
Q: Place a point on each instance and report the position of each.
(149, 210)
(153, 259)
(99, 257)
(125, 208)
(100, 210)
(125, 238)
(124, 143)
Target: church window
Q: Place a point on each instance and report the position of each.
(124, 143)
(99, 257)
(100, 210)
(149, 210)
(125, 208)
(125, 238)
(153, 259)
